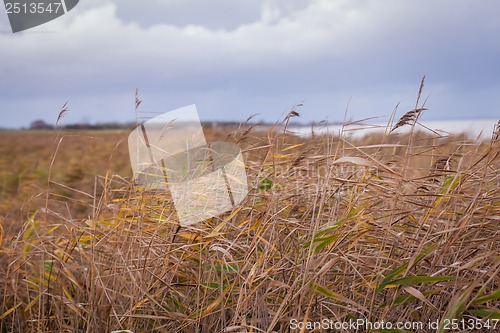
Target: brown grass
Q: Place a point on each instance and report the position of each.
(389, 228)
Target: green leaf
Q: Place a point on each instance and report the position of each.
(421, 279)
(322, 290)
(400, 269)
(457, 306)
(450, 183)
(325, 241)
(231, 268)
(487, 298)
(486, 313)
(319, 289)
(389, 277)
(265, 184)
(400, 300)
(211, 285)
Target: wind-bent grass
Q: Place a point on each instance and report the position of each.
(399, 228)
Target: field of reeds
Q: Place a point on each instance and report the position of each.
(392, 228)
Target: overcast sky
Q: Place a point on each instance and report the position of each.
(235, 58)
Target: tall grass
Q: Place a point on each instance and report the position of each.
(388, 228)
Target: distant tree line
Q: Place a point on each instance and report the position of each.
(42, 125)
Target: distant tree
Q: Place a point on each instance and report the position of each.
(40, 125)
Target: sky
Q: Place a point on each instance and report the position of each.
(340, 59)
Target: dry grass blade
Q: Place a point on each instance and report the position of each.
(243, 134)
(137, 100)
(354, 160)
(496, 132)
(442, 165)
(409, 118)
(63, 111)
(420, 89)
(164, 130)
(292, 114)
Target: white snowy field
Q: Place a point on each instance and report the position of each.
(475, 129)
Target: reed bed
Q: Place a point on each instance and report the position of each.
(393, 227)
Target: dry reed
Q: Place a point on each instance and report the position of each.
(330, 229)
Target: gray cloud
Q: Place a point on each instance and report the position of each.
(214, 15)
(257, 57)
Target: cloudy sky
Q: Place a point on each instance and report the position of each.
(235, 58)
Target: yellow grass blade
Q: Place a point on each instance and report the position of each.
(9, 311)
